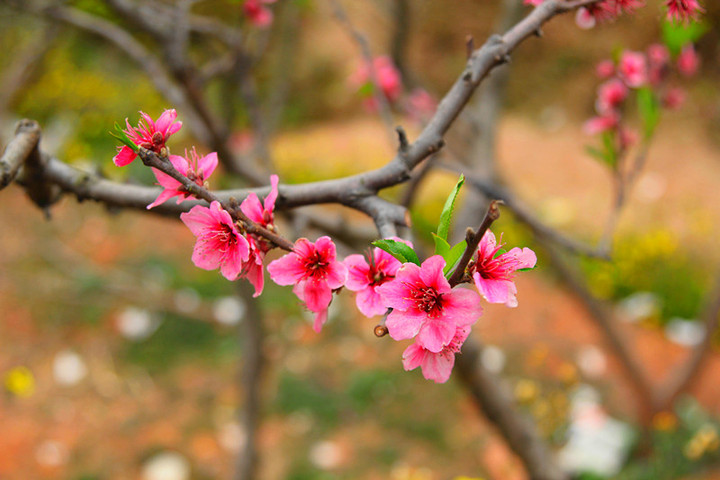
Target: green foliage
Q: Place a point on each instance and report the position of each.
(296, 394)
(654, 262)
(607, 153)
(677, 35)
(649, 111)
(446, 216)
(399, 250)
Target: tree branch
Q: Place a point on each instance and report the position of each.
(26, 139)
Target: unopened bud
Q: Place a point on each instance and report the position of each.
(380, 331)
(157, 138)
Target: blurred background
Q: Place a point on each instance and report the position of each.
(119, 359)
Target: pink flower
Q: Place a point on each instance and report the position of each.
(262, 214)
(610, 95)
(421, 105)
(219, 243)
(633, 68)
(601, 123)
(605, 69)
(387, 75)
(658, 59)
(627, 137)
(315, 272)
(674, 98)
(688, 61)
(258, 14)
(148, 134)
(683, 10)
(424, 305)
(534, 3)
(493, 273)
(196, 169)
(628, 6)
(435, 366)
(586, 17)
(365, 277)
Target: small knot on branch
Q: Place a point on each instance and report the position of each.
(402, 138)
(380, 331)
(469, 46)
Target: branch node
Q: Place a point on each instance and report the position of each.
(380, 331)
(402, 138)
(469, 46)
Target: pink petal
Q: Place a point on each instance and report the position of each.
(164, 196)
(320, 319)
(496, 291)
(124, 156)
(396, 293)
(208, 164)
(462, 306)
(316, 295)
(404, 325)
(252, 208)
(165, 121)
(431, 274)
(369, 302)
(436, 333)
(255, 276)
(198, 219)
(232, 264)
(180, 164)
(525, 257)
(413, 357)
(358, 271)
(438, 366)
(272, 196)
(204, 257)
(326, 248)
(165, 180)
(336, 275)
(303, 247)
(286, 270)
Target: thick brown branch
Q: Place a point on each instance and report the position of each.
(27, 136)
(473, 240)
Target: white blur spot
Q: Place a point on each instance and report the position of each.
(591, 361)
(493, 359)
(187, 300)
(229, 310)
(640, 306)
(326, 455)
(231, 436)
(51, 453)
(69, 368)
(136, 324)
(166, 466)
(685, 332)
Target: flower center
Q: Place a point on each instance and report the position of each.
(428, 300)
(316, 265)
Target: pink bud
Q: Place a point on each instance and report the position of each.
(688, 61)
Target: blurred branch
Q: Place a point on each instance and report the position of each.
(252, 338)
(401, 38)
(683, 377)
(499, 408)
(367, 56)
(26, 139)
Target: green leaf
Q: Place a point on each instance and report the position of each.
(649, 110)
(442, 247)
(453, 256)
(677, 35)
(366, 90)
(122, 136)
(446, 215)
(526, 269)
(399, 250)
(610, 154)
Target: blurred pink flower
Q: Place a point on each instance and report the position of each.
(424, 305)
(387, 75)
(605, 69)
(196, 169)
(633, 68)
(314, 271)
(683, 10)
(601, 123)
(148, 134)
(674, 98)
(493, 272)
(658, 59)
(610, 95)
(365, 275)
(435, 366)
(421, 105)
(534, 3)
(688, 62)
(219, 243)
(587, 16)
(258, 14)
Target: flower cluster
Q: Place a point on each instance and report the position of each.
(419, 105)
(646, 75)
(605, 10)
(417, 299)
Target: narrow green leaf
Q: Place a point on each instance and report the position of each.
(446, 215)
(677, 35)
(610, 154)
(454, 256)
(398, 250)
(122, 136)
(649, 110)
(527, 269)
(442, 247)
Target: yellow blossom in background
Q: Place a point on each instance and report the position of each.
(405, 472)
(20, 382)
(664, 421)
(468, 478)
(526, 391)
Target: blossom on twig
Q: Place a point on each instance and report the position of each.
(435, 366)
(197, 169)
(148, 134)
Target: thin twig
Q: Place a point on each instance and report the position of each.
(473, 240)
